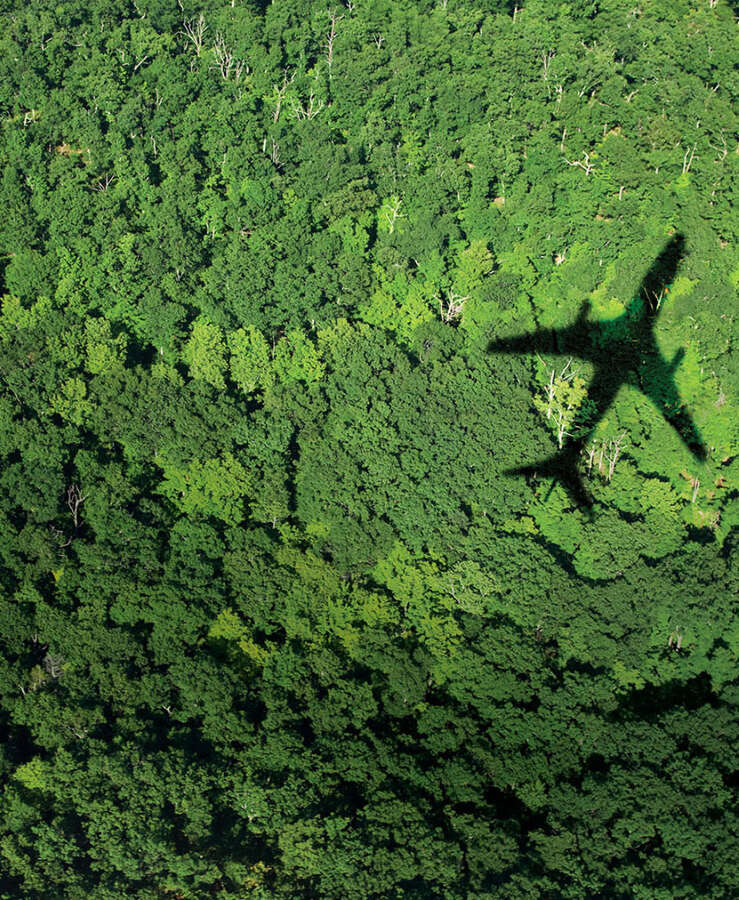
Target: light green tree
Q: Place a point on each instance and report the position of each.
(205, 353)
(251, 367)
(561, 400)
(213, 487)
(296, 359)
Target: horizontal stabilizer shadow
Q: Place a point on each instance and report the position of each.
(563, 468)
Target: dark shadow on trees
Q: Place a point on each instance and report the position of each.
(653, 701)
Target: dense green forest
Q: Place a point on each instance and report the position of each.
(278, 618)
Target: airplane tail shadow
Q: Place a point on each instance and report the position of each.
(563, 468)
(662, 272)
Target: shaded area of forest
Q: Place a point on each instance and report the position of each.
(274, 621)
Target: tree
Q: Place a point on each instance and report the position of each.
(250, 364)
(205, 353)
(562, 399)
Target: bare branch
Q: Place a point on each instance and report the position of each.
(309, 111)
(391, 212)
(608, 453)
(75, 499)
(546, 59)
(722, 151)
(53, 665)
(225, 61)
(583, 163)
(104, 183)
(688, 159)
(615, 448)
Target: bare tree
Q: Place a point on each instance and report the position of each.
(608, 454)
(546, 59)
(75, 499)
(333, 19)
(280, 93)
(655, 298)
(453, 307)
(567, 374)
(53, 665)
(274, 155)
(695, 484)
(564, 393)
(583, 163)
(562, 419)
(391, 212)
(675, 640)
(225, 61)
(590, 452)
(103, 183)
(722, 151)
(77, 730)
(696, 488)
(309, 110)
(688, 159)
(194, 30)
(613, 452)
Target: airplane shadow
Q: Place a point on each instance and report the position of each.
(621, 350)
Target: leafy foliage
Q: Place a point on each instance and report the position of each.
(273, 620)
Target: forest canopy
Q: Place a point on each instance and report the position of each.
(290, 605)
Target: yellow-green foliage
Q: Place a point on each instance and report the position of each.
(70, 401)
(229, 627)
(33, 775)
(297, 359)
(474, 263)
(205, 353)
(211, 487)
(105, 354)
(250, 363)
(401, 306)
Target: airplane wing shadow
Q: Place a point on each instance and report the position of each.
(659, 386)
